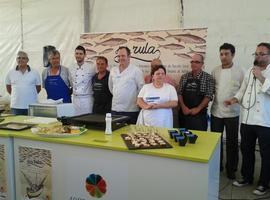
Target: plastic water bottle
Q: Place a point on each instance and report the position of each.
(108, 120)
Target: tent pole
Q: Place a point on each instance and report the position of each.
(86, 8)
(182, 13)
(22, 39)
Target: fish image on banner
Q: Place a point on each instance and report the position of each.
(173, 47)
(183, 55)
(112, 42)
(196, 52)
(187, 38)
(157, 38)
(138, 39)
(107, 35)
(35, 173)
(106, 51)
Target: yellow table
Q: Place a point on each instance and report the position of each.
(190, 172)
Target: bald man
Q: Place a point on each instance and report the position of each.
(148, 78)
(196, 89)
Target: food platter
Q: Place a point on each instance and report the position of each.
(59, 131)
(15, 126)
(135, 141)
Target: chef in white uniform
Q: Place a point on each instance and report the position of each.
(82, 74)
(254, 98)
(125, 83)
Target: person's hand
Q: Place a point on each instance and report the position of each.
(230, 101)
(186, 110)
(155, 106)
(194, 111)
(148, 106)
(257, 72)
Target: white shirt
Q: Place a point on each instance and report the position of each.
(82, 79)
(227, 83)
(162, 117)
(259, 114)
(125, 87)
(23, 87)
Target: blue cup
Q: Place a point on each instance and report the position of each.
(182, 140)
(182, 129)
(192, 138)
(172, 133)
(177, 136)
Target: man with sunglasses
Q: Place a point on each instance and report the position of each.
(23, 84)
(228, 79)
(254, 98)
(196, 89)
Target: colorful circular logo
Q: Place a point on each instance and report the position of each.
(95, 185)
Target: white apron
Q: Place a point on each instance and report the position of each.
(83, 104)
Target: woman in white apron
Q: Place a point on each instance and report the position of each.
(157, 100)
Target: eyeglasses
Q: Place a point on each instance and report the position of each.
(260, 54)
(195, 61)
(23, 58)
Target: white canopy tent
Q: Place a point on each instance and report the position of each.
(29, 25)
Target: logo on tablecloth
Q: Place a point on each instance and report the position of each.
(95, 185)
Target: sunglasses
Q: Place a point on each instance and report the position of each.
(195, 62)
(260, 54)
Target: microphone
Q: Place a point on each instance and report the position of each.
(255, 63)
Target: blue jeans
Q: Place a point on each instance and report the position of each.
(18, 111)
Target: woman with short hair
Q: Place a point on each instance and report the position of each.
(157, 100)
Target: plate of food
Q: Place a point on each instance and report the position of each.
(59, 131)
(15, 126)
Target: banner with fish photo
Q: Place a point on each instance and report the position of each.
(3, 176)
(35, 173)
(173, 47)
